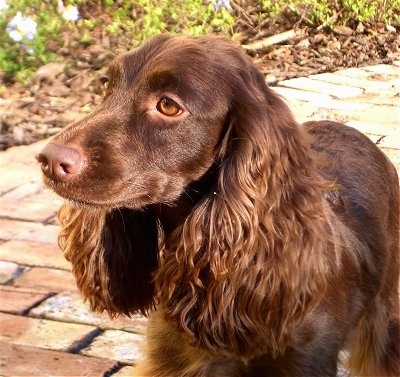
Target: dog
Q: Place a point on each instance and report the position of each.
(258, 247)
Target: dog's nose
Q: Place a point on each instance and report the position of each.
(60, 163)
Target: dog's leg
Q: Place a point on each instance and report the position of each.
(374, 349)
(168, 354)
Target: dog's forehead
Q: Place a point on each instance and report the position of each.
(176, 55)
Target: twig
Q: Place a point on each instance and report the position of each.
(274, 39)
(244, 14)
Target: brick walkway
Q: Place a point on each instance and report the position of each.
(45, 329)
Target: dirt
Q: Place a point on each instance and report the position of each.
(63, 92)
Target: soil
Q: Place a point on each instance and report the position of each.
(63, 92)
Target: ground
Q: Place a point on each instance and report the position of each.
(63, 92)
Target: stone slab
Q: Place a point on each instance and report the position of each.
(125, 372)
(19, 300)
(69, 307)
(394, 156)
(18, 360)
(8, 271)
(363, 73)
(25, 190)
(33, 253)
(28, 231)
(58, 336)
(334, 90)
(46, 278)
(383, 69)
(369, 85)
(26, 209)
(116, 345)
(293, 95)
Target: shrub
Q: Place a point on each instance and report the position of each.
(34, 29)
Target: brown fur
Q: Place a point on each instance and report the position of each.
(259, 248)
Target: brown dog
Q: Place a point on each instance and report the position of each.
(259, 247)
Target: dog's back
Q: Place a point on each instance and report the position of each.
(366, 200)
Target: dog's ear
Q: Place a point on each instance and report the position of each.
(249, 264)
(113, 256)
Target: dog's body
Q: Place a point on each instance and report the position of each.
(259, 248)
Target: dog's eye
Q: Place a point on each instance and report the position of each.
(104, 81)
(168, 107)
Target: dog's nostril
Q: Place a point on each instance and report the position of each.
(60, 163)
(41, 158)
(68, 168)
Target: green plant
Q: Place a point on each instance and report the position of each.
(29, 26)
(332, 12)
(150, 17)
(23, 50)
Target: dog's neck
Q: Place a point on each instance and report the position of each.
(174, 214)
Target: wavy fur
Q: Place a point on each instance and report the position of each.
(257, 246)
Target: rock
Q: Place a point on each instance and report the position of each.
(58, 89)
(271, 79)
(304, 43)
(49, 72)
(343, 30)
(390, 29)
(320, 38)
(360, 28)
(380, 40)
(360, 41)
(334, 45)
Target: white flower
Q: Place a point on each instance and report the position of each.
(222, 4)
(70, 13)
(15, 35)
(21, 27)
(3, 5)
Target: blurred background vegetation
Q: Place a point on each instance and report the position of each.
(35, 32)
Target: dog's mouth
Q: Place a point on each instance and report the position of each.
(97, 198)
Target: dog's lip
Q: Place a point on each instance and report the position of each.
(137, 202)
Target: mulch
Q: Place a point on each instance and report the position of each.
(63, 92)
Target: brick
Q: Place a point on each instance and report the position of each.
(42, 333)
(384, 69)
(46, 195)
(356, 113)
(117, 345)
(361, 73)
(69, 307)
(8, 271)
(293, 95)
(387, 142)
(46, 278)
(22, 167)
(24, 156)
(366, 84)
(125, 372)
(26, 209)
(24, 190)
(13, 178)
(388, 97)
(28, 231)
(336, 91)
(394, 156)
(19, 300)
(17, 360)
(32, 253)
(296, 99)
(374, 129)
(374, 114)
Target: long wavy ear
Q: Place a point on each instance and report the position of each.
(247, 265)
(113, 256)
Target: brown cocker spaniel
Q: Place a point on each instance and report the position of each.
(257, 247)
